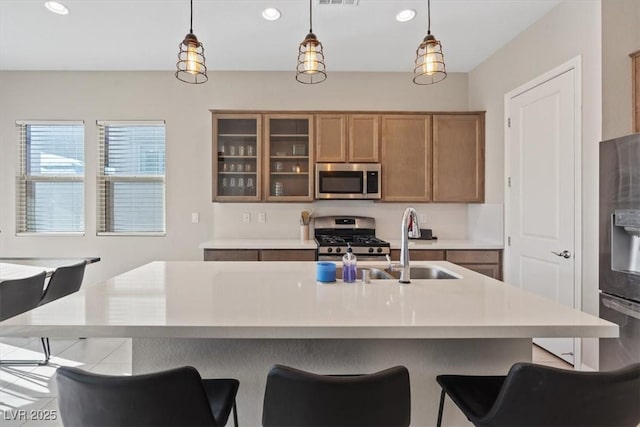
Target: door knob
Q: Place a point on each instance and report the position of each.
(563, 254)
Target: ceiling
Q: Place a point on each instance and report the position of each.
(144, 34)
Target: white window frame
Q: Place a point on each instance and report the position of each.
(105, 181)
(23, 178)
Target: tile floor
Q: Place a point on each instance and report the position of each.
(27, 391)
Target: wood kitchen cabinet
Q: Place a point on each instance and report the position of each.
(419, 255)
(288, 175)
(287, 255)
(237, 148)
(458, 158)
(352, 138)
(231, 255)
(406, 158)
(259, 255)
(487, 262)
(331, 138)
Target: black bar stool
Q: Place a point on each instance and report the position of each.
(298, 398)
(536, 395)
(176, 397)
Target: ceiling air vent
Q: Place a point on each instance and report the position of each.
(337, 2)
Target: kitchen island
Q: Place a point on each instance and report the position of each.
(236, 319)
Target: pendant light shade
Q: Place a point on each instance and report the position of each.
(429, 66)
(310, 69)
(191, 66)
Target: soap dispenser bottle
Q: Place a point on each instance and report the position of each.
(349, 266)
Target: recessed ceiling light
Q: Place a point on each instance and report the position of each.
(56, 7)
(271, 14)
(405, 15)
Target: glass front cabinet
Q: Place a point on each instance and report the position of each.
(288, 157)
(237, 151)
(262, 157)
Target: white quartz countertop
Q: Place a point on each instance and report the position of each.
(310, 244)
(258, 244)
(283, 300)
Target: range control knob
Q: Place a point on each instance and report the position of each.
(329, 250)
(370, 250)
(379, 250)
(338, 250)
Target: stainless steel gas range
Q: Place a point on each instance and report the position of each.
(333, 234)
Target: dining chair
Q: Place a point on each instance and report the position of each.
(64, 281)
(18, 296)
(298, 398)
(537, 395)
(175, 397)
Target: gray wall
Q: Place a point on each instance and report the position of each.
(571, 29)
(620, 37)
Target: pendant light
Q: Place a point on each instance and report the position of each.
(429, 66)
(191, 67)
(310, 69)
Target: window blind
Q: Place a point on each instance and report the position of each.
(50, 180)
(131, 178)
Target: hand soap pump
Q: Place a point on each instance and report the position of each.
(349, 266)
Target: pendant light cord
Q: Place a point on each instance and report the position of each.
(428, 16)
(310, 17)
(191, 21)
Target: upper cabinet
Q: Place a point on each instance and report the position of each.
(458, 158)
(425, 157)
(331, 138)
(406, 158)
(237, 147)
(352, 138)
(288, 157)
(363, 138)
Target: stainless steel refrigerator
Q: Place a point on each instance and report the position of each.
(620, 249)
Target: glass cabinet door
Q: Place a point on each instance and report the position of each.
(236, 151)
(289, 157)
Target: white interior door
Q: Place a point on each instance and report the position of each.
(541, 198)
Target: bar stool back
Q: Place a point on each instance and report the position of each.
(176, 397)
(536, 395)
(298, 398)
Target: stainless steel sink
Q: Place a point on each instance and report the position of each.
(418, 272)
(375, 273)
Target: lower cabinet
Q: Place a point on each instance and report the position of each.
(259, 255)
(419, 255)
(287, 255)
(231, 255)
(487, 262)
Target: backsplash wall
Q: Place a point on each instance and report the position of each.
(448, 221)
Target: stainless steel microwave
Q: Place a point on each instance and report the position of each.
(348, 181)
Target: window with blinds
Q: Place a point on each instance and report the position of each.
(50, 181)
(131, 178)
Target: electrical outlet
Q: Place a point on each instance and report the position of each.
(195, 217)
(422, 218)
(262, 217)
(246, 217)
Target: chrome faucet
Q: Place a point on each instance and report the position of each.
(409, 213)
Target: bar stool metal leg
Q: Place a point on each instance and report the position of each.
(442, 395)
